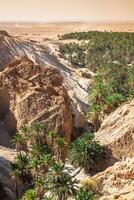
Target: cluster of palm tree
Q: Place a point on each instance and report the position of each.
(111, 56)
(37, 149)
(98, 49)
(111, 87)
(43, 170)
(73, 52)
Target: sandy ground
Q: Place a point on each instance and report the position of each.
(52, 30)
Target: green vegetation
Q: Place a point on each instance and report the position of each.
(86, 152)
(111, 56)
(88, 190)
(40, 166)
(60, 183)
(75, 53)
(111, 87)
(85, 194)
(99, 49)
(29, 195)
(36, 147)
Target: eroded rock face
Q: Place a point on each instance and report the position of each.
(8, 186)
(7, 119)
(117, 131)
(35, 93)
(76, 81)
(117, 182)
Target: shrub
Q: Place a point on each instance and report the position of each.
(29, 195)
(85, 194)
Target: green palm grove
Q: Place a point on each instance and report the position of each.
(43, 170)
(110, 55)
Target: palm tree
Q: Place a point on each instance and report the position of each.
(38, 133)
(24, 129)
(60, 184)
(96, 100)
(52, 135)
(19, 142)
(37, 150)
(39, 158)
(61, 143)
(20, 167)
(39, 186)
(85, 152)
(95, 115)
(45, 162)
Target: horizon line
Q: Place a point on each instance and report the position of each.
(68, 21)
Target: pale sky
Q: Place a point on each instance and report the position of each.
(66, 10)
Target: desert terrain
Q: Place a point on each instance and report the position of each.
(45, 31)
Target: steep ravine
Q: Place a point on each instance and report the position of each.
(40, 86)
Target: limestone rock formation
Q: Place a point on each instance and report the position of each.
(31, 93)
(117, 131)
(76, 81)
(117, 182)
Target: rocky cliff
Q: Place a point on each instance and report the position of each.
(31, 93)
(117, 131)
(117, 182)
(117, 135)
(76, 81)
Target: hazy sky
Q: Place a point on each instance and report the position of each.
(66, 10)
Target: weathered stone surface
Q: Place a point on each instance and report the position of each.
(117, 131)
(76, 81)
(117, 182)
(7, 120)
(8, 191)
(34, 93)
